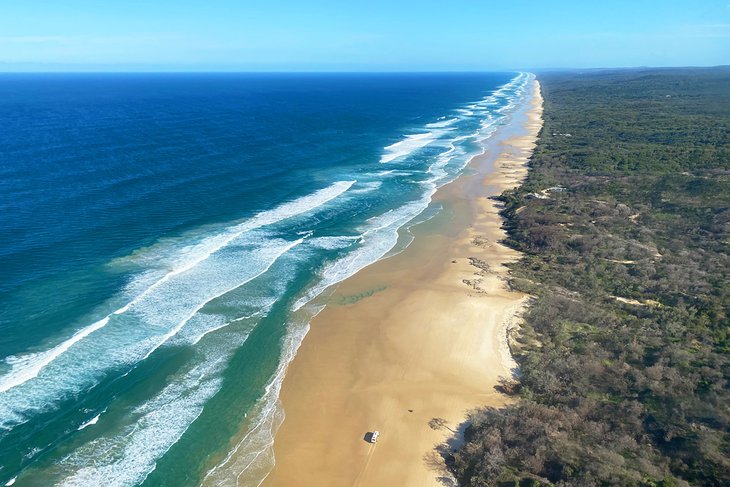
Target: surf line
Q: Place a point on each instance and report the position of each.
(29, 366)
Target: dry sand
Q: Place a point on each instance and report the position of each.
(414, 337)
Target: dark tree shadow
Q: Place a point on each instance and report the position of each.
(439, 423)
(508, 386)
(441, 458)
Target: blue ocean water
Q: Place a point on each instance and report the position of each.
(162, 240)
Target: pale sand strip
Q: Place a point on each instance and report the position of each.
(429, 342)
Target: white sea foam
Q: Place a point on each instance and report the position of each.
(442, 123)
(366, 187)
(393, 172)
(205, 324)
(128, 458)
(437, 167)
(152, 321)
(332, 243)
(93, 420)
(28, 366)
(462, 137)
(176, 329)
(408, 145)
(506, 108)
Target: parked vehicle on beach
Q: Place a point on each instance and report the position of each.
(374, 436)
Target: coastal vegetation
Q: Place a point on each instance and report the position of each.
(624, 225)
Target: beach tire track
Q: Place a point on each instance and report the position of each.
(358, 479)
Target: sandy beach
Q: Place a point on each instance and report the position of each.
(411, 343)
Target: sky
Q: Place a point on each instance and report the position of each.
(355, 35)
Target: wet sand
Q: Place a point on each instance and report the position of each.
(411, 343)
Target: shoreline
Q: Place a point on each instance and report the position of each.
(412, 342)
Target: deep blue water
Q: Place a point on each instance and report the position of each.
(162, 237)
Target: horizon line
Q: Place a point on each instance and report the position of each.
(347, 71)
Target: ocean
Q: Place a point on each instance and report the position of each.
(165, 240)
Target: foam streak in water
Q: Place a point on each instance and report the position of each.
(174, 331)
(406, 146)
(27, 367)
(150, 324)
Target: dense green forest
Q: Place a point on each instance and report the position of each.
(624, 353)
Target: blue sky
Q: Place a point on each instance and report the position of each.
(354, 35)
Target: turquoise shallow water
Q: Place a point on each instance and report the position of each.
(164, 236)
